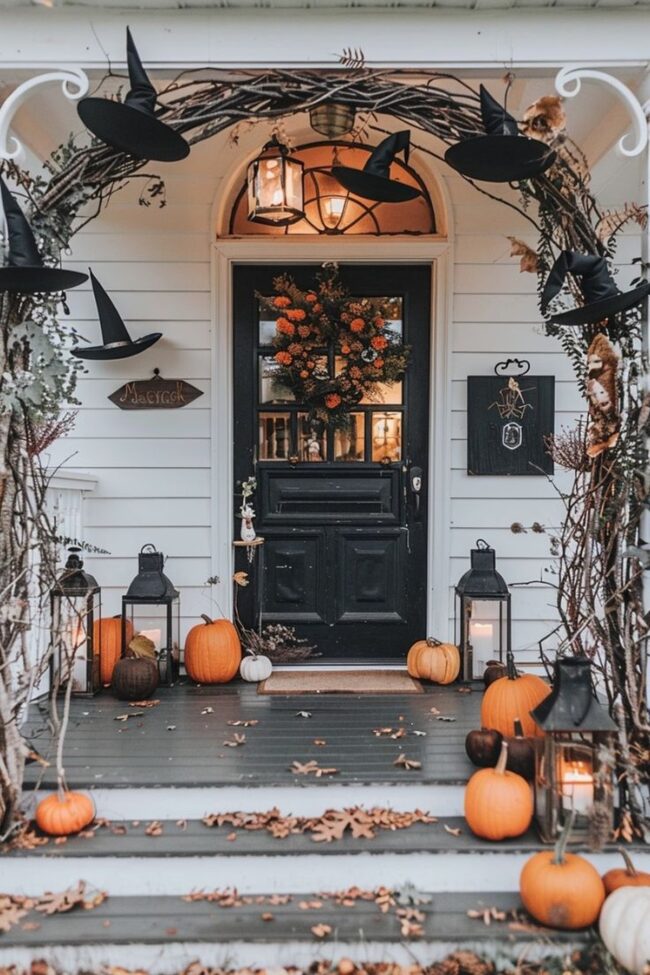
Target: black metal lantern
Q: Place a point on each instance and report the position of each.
(572, 772)
(275, 187)
(76, 605)
(483, 621)
(332, 119)
(151, 608)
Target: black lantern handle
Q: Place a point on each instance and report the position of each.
(523, 365)
(482, 544)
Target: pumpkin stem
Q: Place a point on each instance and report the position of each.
(511, 673)
(562, 840)
(502, 761)
(432, 642)
(206, 619)
(630, 869)
(519, 729)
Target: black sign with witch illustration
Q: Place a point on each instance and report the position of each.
(508, 417)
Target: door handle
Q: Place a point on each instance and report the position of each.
(415, 481)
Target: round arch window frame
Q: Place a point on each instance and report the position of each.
(263, 230)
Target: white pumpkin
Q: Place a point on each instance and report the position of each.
(255, 667)
(625, 927)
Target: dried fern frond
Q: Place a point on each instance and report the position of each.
(613, 221)
(352, 57)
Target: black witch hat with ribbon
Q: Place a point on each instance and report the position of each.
(602, 297)
(373, 182)
(118, 344)
(502, 155)
(132, 125)
(24, 271)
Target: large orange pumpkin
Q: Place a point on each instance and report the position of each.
(107, 635)
(63, 813)
(432, 660)
(513, 697)
(627, 876)
(560, 889)
(498, 803)
(212, 652)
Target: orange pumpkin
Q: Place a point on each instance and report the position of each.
(498, 803)
(560, 889)
(212, 652)
(432, 660)
(512, 697)
(107, 635)
(63, 813)
(627, 876)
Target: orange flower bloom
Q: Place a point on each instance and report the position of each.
(379, 342)
(310, 363)
(378, 363)
(285, 327)
(311, 297)
(332, 400)
(357, 325)
(304, 374)
(295, 348)
(303, 331)
(282, 301)
(378, 322)
(355, 372)
(283, 358)
(296, 314)
(317, 309)
(345, 349)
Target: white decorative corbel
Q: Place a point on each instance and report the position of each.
(568, 83)
(74, 84)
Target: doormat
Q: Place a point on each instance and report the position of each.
(340, 682)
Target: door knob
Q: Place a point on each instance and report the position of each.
(415, 480)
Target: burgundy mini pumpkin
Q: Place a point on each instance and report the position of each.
(134, 678)
(483, 747)
(493, 670)
(521, 753)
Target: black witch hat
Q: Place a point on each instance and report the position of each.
(24, 270)
(132, 125)
(602, 297)
(373, 182)
(502, 155)
(118, 344)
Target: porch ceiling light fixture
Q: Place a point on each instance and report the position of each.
(602, 297)
(132, 125)
(275, 186)
(483, 615)
(333, 211)
(373, 182)
(332, 119)
(502, 155)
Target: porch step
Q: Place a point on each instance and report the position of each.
(441, 856)
(165, 934)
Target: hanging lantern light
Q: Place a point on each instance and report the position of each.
(333, 210)
(275, 190)
(332, 119)
(483, 615)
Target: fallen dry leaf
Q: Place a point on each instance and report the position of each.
(240, 578)
(144, 704)
(66, 900)
(407, 763)
(311, 768)
(303, 714)
(528, 257)
(243, 724)
(237, 739)
(207, 710)
(267, 916)
(319, 742)
(125, 717)
(154, 828)
(453, 830)
(321, 930)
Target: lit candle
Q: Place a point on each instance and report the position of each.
(577, 788)
(481, 637)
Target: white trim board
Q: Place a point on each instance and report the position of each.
(434, 251)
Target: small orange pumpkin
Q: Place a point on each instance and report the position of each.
(560, 889)
(435, 661)
(498, 803)
(63, 813)
(627, 876)
(107, 635)
(511, 697)
(212, 652)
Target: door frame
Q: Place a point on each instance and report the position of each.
(432, 251)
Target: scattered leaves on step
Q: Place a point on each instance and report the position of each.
(118, 970)
(434, 711)
(444, 717)
(25, 839)
(154, 828)
(267, 916)
(407, 763)
(276, 899)
(488, 915)
(303, 714)
(463, 690)
(230, 897)
(171, 727)
(409, 896)
(231, 837)
(60, 840)
(311, 768)
(420, 734)
(243, 724)
(67, 900)
(320, 742)
(314, 905)
(207, 710)
(332, 825)
(410, 920)
(389, 733)
(453, 830)
(182, 824)
(125, 717)
(321, 930)
(30, 926)
(118, 829)
(237, 739)
(12, 911)
(144, 704)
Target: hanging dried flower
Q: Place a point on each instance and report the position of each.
(529, 261)
(545, 119)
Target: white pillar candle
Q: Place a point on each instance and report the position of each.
(577, 788)
(481, 636)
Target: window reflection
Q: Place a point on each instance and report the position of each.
(386, 436)
(312, 440)
(274, 436)
(349, 442)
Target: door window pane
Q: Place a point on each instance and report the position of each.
(386, 436)
(312, 440)
(349, 442)
(266, 326)
(274, 436)
(389, 394)
(270, 390)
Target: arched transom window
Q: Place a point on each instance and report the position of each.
(330, 209)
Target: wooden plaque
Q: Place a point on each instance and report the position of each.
(155, 394)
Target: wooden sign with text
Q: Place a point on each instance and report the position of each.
(155, 394)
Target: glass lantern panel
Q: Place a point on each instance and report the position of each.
(71, 644)
(386, 436)
(575, 779)
(159, 622)
(487, 632)
(312, 443)
(293, 172)
(274, 436)
(349, 442)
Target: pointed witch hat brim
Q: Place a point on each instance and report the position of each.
(25, 273)
(598, 311)
(118, 344)
(132, 126)
(373, 182)
(500, 158)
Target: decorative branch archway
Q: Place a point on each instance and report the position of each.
(599, 592)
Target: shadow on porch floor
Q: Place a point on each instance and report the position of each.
(180, 741)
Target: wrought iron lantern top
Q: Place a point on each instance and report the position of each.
(151, 583)
(74, 581)
(572, 705)
(482, 581)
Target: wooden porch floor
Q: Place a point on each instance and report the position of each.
(180, 741)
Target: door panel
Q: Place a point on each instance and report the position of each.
(345, 551)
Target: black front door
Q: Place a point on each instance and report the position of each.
(345, 528)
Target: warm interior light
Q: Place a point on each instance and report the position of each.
(333, 210)
(275, 187)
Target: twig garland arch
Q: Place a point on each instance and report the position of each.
(607, 622)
